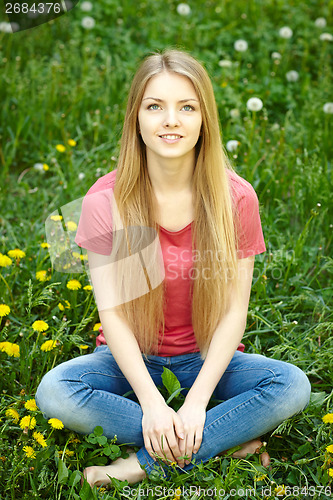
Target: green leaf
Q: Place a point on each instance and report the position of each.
(86, 491)
(62, 472)
(170, 381)
(102, 440)
(98, 431)
(75, 478)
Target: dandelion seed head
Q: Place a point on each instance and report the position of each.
(88, 22)
(292, 76)
(241, 45)
(225, 63)
(254, 104)
(86, 6)
(183, 9)
(234, 113)
(276, 55)
(328, 108)
(285, 32)
(326, 37)
(320, 22)
(232, 145)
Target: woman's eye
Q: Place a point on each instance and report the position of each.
(153, 106)
(187, 107)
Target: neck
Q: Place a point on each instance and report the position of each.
(170, 176)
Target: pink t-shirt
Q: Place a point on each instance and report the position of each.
(95, 234)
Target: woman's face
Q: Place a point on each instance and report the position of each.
(170, 117)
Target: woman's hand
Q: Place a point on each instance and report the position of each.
(193, 417)
(162, 431)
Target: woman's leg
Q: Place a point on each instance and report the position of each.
(87, 391)
(258, 393)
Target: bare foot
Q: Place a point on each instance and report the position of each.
(252, 447)
(123, 469)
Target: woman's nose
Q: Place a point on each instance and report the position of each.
(171, 119)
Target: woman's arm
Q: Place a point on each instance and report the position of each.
(221, 350)
(158, 418)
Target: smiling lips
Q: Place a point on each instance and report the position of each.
(171, 137)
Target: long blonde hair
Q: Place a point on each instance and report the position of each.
(213, 232)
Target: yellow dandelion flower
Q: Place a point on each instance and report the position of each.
(329, 448)
(56, 423)
(13, 414)
(87, 287)
(69, 453)
(56, 218)
(178, 492)
(48, 345)
(13, 350)
(38, 436)
(29, 451)
(28, 422)
(83, 346)
(280, 490)
(45, 167)
(71, 142)
(61, 148)
(40, 326)
(76, 255)
(16, 253)
(328, 418)
(4, 310)
(73, 285)
(71, 225)
(45, 245)
(260, 478)
(42, 276)
(97, 326)
(62, 306)
(84, 257)
(330, 472)
(5, 261)
(31, 405)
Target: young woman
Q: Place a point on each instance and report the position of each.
(173, 180)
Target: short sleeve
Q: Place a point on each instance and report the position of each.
(249, 235)
(94, 230)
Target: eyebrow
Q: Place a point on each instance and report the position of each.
(161, 100)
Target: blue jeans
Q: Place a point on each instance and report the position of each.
(257, 394)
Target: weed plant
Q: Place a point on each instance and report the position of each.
(63, 91)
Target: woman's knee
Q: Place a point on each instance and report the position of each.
(52, 394)
(297, 388)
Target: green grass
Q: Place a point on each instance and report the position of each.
(60, 81)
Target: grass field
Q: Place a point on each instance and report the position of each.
(64, 84)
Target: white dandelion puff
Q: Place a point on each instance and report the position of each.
(276, 55)
(328, 108)
(234, 113)
(232, 145)
(285, 32)
(183, 9)
(225, 63)
(326, 37)
(88, 22)
(254, 104)
(86, 6)
(292, 76)
(320, 22)
(241, 45)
